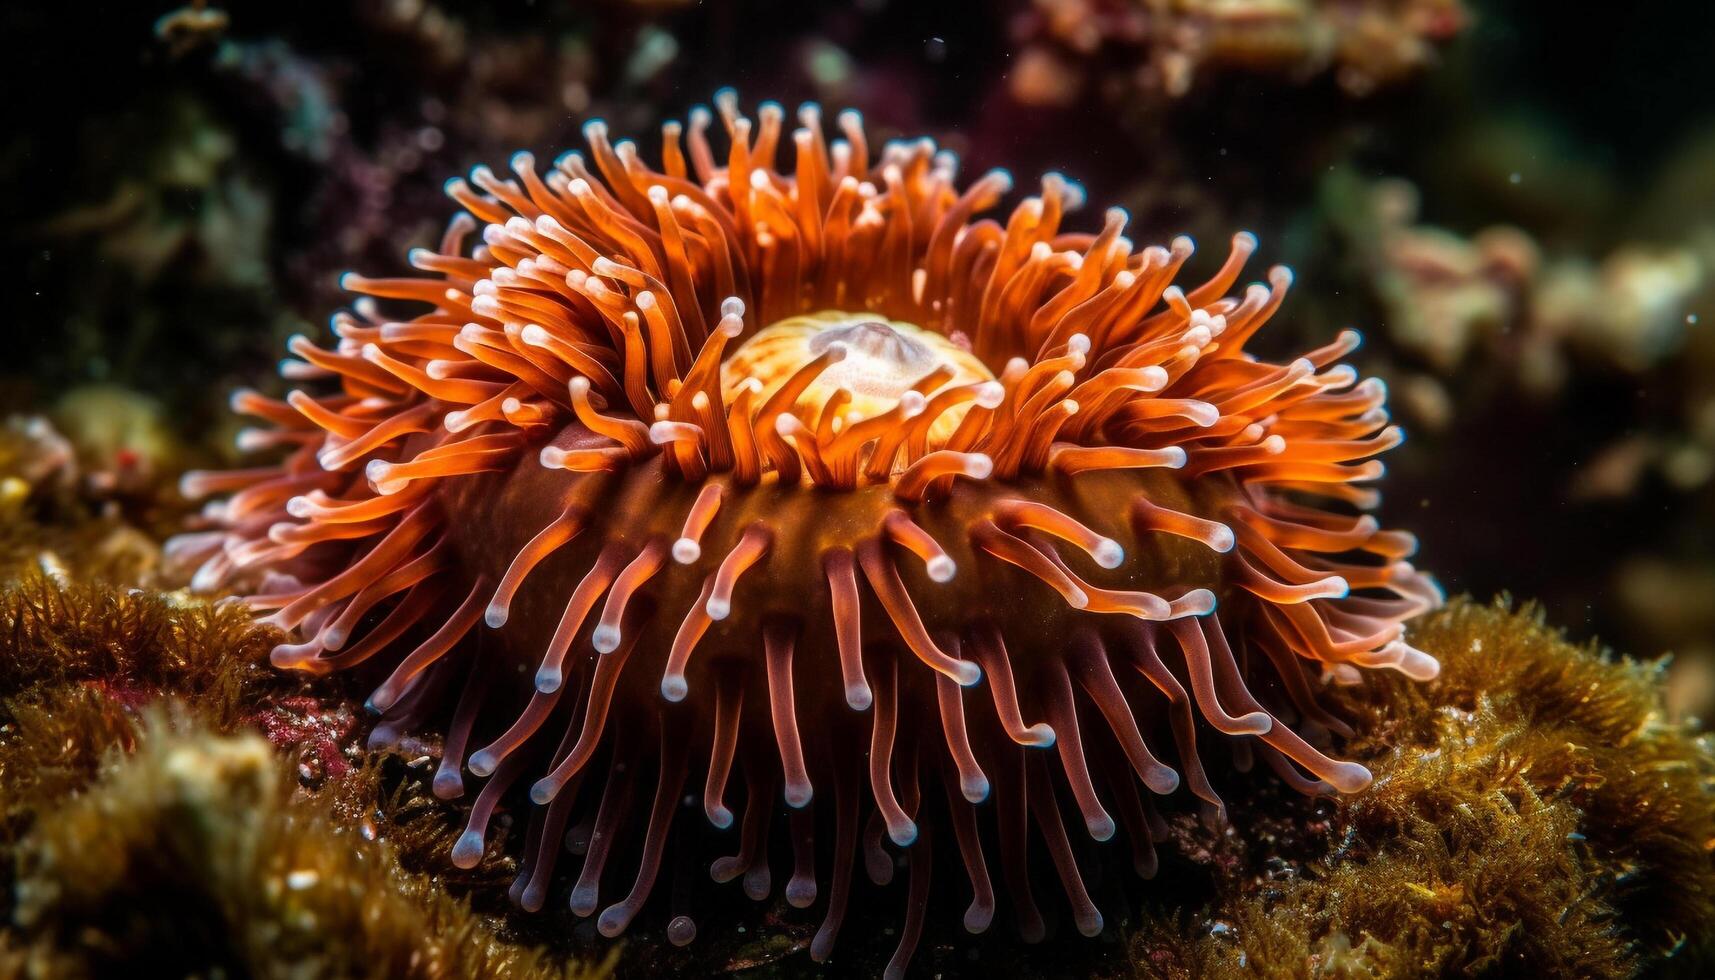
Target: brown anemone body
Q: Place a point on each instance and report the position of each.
(502, 512)
(814, 494)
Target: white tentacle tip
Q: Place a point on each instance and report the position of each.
(686, 551)
(1255, 723)
(1203, 414)
(548, 679)
(1101, 827)
(1197, 602)
(1348, 777)
(495, 616)
(674, 688)
(941, 569)
(967, 674)
(1162, 781)
(904, 833)
(1091, 925)
(448, 784)
(785, 426)
(975, 788)
(859, 697)
(1108, 553)
(718, 608)
(194, 484)
(1414, 663)
(467, 853)
(801, 892)
(605, 638)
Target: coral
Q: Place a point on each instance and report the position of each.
(455, 91)
(88, 490)
(1163, 47)
(190, 27)
(56, 516)
(1447, 295)
(1576, 324)
(1534, 813)
(125, 444)
(1595, 353)
(184, 205)
(169, 224)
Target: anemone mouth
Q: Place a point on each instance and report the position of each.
(1068, 479)
(865, 366)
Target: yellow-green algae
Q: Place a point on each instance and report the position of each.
(1534, 813)
(173, 841)
(54, 520)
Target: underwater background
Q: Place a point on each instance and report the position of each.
(1514, 203)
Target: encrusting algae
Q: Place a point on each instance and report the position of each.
(145, 824)
(1534, 813)
(207, 822)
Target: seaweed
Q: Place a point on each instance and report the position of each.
(1534, 813)
(146, 822)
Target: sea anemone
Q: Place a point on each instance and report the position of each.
(916, 521)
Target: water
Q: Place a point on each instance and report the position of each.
(1516, 208)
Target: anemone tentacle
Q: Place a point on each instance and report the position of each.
(758, 470)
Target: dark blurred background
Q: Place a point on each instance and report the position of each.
(1516, 203)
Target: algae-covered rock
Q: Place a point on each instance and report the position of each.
(146, 823)
(191, 856)
(1534, 813)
